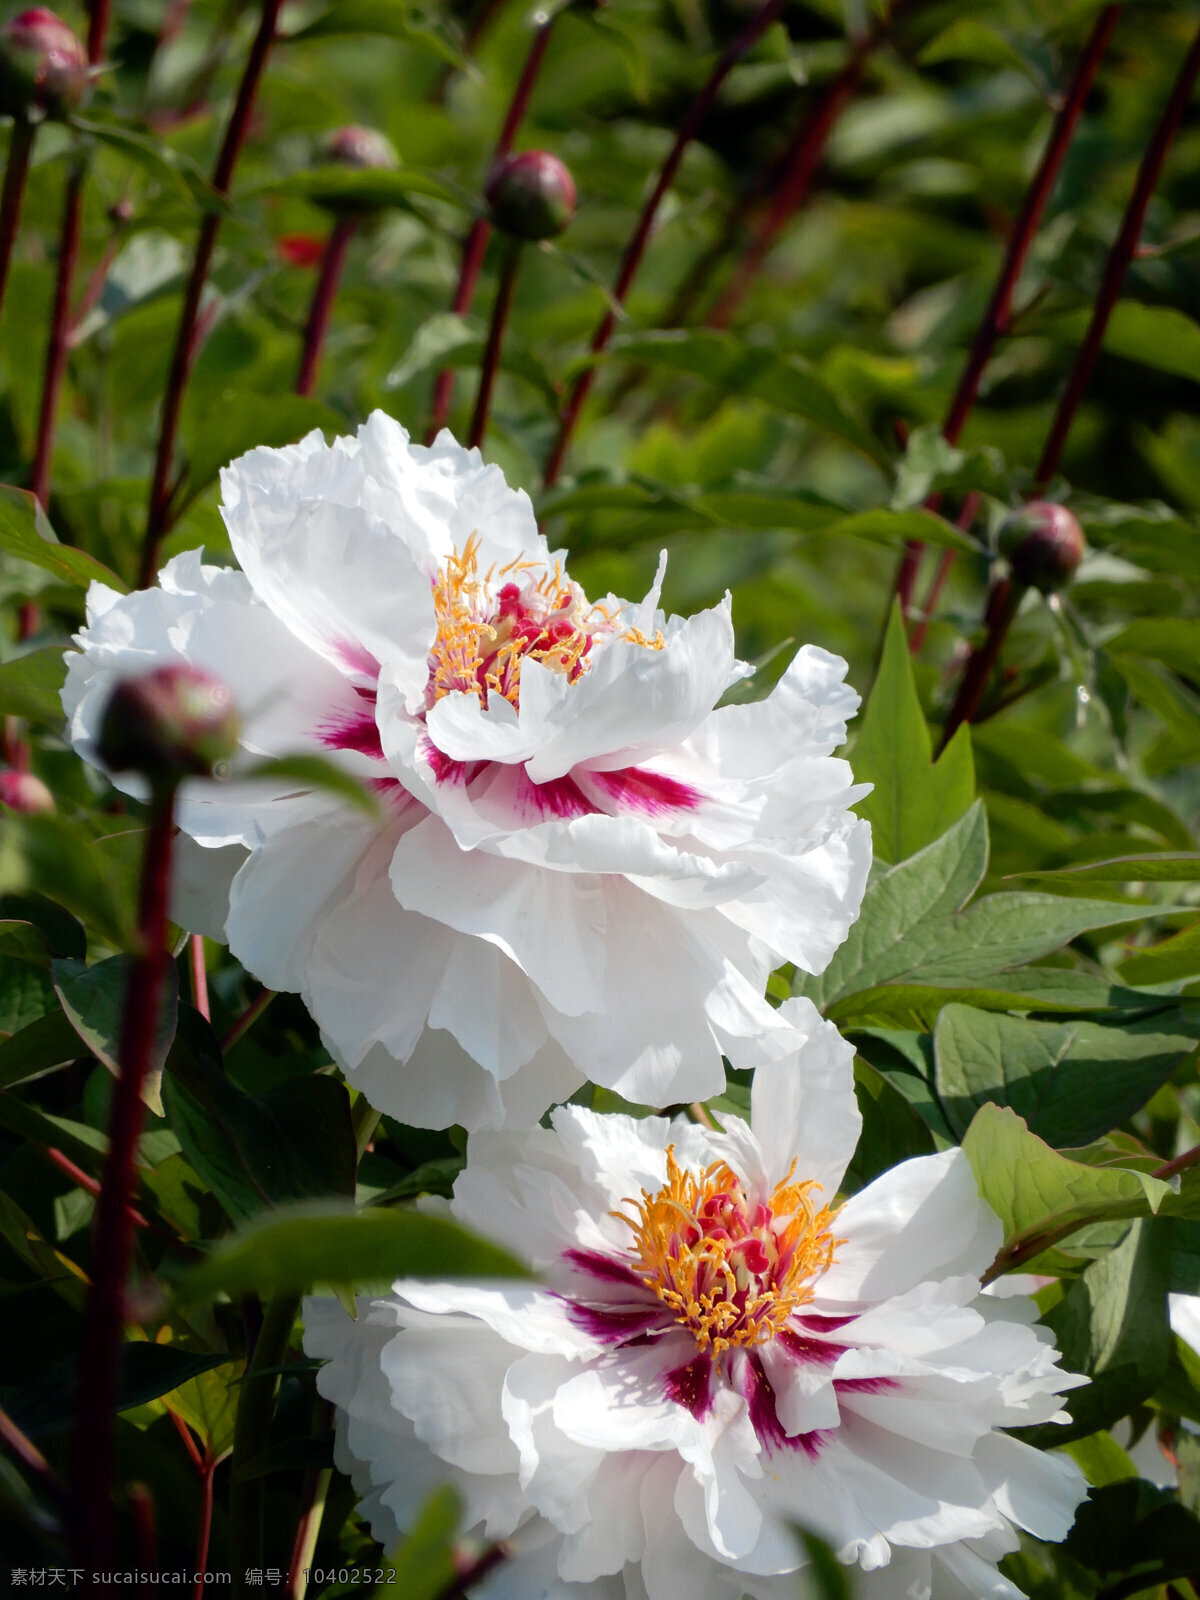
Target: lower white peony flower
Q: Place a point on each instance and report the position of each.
(585, 870)
(716, 1354)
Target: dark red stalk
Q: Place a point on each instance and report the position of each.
(1118, 261)
(60, 332)
(98, 15)
(158, 517)
(1002, 606)
(204, 1533)
(997, 318)
(330, 276)
(145, 1536)
(636, 248)
(31, 1458)
(474, 1572)
(799, 168)
(495, 338)
(19, 148)
(475, 246)
(970, 509)
(248, 1018)
(113, 1235)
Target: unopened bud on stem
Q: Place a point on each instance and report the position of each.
(23, 791)
(173, 723)
(43, 66)
(531, 195)
(1043, 544)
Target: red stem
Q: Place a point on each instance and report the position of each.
(636, 248)
(475, 246)
(1001, 609)
(189, 1443)
(1118, 261)
(799, 168)
(970, 508)
(199, 975)
(495, 338)
(98, 14)
(158, 518)
(145, 1536)
(113, 1237)
(58, 343)
(248, 1018)
(31, 1458)
(997, 318)
(315, 329)
(205, 1530)
(19, 148)
(474, 1571)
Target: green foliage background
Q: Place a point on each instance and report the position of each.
(1051, 1025)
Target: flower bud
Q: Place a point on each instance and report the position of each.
(531, 195)
(362, 148)
(1043, 544)
(22, 791)
(43, 66)
(173, 723)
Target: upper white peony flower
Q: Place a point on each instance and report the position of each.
(717, 1353)
(585, 870)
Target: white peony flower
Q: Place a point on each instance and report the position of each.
(716, 1353)
(585, 870)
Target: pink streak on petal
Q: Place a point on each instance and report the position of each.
(690, 1386)
(651, 793)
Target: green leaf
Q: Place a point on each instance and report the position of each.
(885, 526)
(29, 686)
(912, 925)
(294, 1142)
(93, 1000)
(915, 799)
(892, 1130)
(1177, 957)
(46, 1043)
(26, 534)
(785, 383)
(51, 856)
(918, 1005)
(1035, 1191)
(315, 772)
(169, 166)
(1135, 1528)
(364, 190)
(298, 1247)
(827, 1578)
(1111, 1324)
(208, 1404)
(1071, 1081)
(423, 1567)
(1155, 336)
(244, 422)
(144, 1372)
(1175, 641)
(394, 19)
(1167, 866)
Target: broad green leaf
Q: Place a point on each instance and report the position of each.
(1162, 692)
(21, 1233)
(913, 926)
(295, 1142)
(1176, 957)
(367, 190)
(1134, 1528)
(29, 686)
(144, 1372)
(245, 422)
(93, 1000)
(1155, 336)
(892, 1130)
(1168, 866)
(54, 857)
(969, 39)
(178, 171)
(208, 1404)
(395, 19)
(423, 1567)
(296, 1248)
(1111, 1325)
(1101, 1459)
(25, 533)
(784, 383)
(915, 799)
(46, 1043)
(931, 465)
(827, 1578)
(1175, 641)
(918, 1005)
(885, 526)
(1070, 1081)
(1035, 1191)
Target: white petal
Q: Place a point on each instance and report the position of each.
(1039, 1489)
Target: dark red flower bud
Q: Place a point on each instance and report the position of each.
(531, 195)
(360, 147)
(173, 723)
(22, 791)
(1043, 544)
(43, 66)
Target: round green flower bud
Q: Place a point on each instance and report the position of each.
(43, 66)
(531, 195)
(173, 723)
(1043, 544)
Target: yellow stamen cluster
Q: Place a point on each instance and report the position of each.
(731, 1273)
(481, 644)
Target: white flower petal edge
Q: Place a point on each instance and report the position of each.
(712, 1356)
(585, 870)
